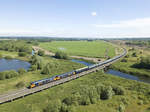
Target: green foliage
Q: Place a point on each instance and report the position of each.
(47, 69)
(54, 106)
(1, 56)
(41, 53)
(118, 90)
(61, 55)
(22, 71)
(8, 74)
(22, 54)
(38, 61)
(8, 57)
(106, 93)
(144, 63)
(121, 108)
(20, 84)
(2, 76)
(18, 46)
(134, 54)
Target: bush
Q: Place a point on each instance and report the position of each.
(53, 106)
(22, 54)
(20, 84)
(21, 71)
(8, 74)
(8, 57)
(61, 55)
(121, 108)
(85, 100)
(134, 54)
(107, 93)
(33, 68)
(118, 90)
(38, 61)
(41, 53)
(47, 69)
(2, 76)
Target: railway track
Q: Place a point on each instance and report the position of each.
(25, 91)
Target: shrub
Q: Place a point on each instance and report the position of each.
(21, 71)
(22, 54)
(20, 84)
(53, 106)
(107, 93)
(41, 53)
(85, 100)
(61, 55)
(2, 76)
(134, 54)
(118, 90)
(33, 68)
(121, 108)
(47, 69)
(38, 61)
(8, 57)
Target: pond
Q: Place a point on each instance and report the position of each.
(81, 62)
(13, 64)
(128, 76)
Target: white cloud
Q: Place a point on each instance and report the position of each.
(94, 14)
(129, 28)
(144, 22)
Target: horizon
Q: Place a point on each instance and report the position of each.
(75, 19)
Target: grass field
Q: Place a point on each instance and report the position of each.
(126, 67)
(81, 48)
(38, 101)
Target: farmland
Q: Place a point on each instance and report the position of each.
(81, 48)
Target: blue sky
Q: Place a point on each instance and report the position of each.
(75, 18)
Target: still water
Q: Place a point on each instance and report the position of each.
(128, 76)
(81, 62)
(13, 64)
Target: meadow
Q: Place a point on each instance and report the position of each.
(127, 67)
(135, 99)
(81, 48)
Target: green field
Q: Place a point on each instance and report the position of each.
(135, 93)
(81, 48)
(126, 67)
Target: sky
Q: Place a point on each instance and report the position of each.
(75, 18)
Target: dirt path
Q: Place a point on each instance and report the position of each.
(96, 60)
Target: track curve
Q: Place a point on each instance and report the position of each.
(24, 92)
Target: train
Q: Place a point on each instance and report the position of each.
(74, 72)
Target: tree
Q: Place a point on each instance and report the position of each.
(38, 61)
(61, 55)
(21, 71)
(41, 53)
(134, 54)
(107, 93)
(47, 69)
(22, 54)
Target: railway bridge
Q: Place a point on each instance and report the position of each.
(25, 91)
